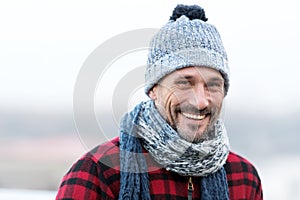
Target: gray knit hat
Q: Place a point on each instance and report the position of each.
(186, 40)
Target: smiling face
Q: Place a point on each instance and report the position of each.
(190, 99)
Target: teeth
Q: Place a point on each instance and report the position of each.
(191, 116)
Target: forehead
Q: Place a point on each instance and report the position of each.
(195, 72)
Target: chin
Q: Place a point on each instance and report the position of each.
(199, 136)
(192, 138)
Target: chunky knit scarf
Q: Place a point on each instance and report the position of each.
(145, 127)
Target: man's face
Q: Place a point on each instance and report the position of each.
(190, 99)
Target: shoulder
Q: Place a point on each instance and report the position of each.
(107, 149)
(105, 156)
(243, 179)
(237, 163)
(91, 175)
(234, 157)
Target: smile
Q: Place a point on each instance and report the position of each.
(193, 116)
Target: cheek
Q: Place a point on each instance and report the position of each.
(218, 98)
(175, 99)
(163, 101)
(169, 101)
(167, 104)
(217, 102)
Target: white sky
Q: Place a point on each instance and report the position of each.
(43, 45)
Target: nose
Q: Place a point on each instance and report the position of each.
(200, 97)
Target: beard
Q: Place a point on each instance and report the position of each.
(207, 134)
(191, 132)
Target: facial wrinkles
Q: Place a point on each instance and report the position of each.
(171, 118)
(163, 103)
(173, 103)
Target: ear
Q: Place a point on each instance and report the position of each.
(152, 93)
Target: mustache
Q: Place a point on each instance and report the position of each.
(194, 110)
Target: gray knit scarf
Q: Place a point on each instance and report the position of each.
(145, 127)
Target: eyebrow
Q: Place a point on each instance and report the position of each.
(215, 79)
(184, 77)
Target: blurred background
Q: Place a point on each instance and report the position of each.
(45, 43)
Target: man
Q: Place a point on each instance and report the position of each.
(175, 145)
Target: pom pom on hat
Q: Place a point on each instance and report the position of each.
(192, 12)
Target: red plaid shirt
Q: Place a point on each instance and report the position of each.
(96, 176)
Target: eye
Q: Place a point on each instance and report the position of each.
(214, 86)
(183, 82)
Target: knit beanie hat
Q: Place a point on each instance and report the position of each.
(185, 41)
